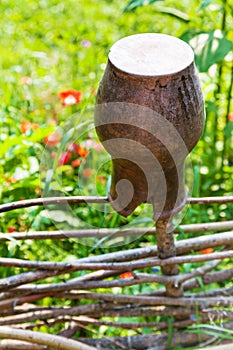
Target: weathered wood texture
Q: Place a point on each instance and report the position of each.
(157, 119)
(149, 116)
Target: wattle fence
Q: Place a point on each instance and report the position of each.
(164, 318)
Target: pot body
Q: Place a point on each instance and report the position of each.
(149, 124)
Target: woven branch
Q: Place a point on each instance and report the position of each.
(18, 293)
(124, 306)
(54, 341)
(114, 232)
(185, 246)
(75, 283)
(156, 341)
(51, 313)
(20, 345)
(155, 301)
(129, 266)
(93, 199)
(21, 279)
(51, 200)
(139, 342)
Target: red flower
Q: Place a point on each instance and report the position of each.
(87, 173)
(207, 251)
(70, 97)
(26, 126)
(102, 179)
(26, 80)
(9, 180)
(93, 92)
(82, 152)
(75, 163)
(126, 275)
(73, 147)
(230, 117)
(53, 139)
(64, 158)
(11, 229)
(77, 150)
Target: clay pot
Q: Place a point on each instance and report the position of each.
(149, 115)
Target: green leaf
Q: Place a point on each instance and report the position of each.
(213, 327)
(22, 140)
(204, 4)
(174, 13)
(134, 4)
(170, 333)
(212, 330)
(209, 47)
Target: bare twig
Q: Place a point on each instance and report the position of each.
(144, 300)
(210, 200)
(128, 325)
(45, 314)
(117, 232)
(93, 276)
(182, 247)
(54, 341)
(92, 199)
(27, 277)
(212, 277)
(139, 264)
(7, 344)
(156, 341)
(51, 200)
(141, 278)
(208, 278)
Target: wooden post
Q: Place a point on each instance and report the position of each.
(149, 116)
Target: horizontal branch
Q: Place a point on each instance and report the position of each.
(108, 309)
(180, 312)
(92, 276)
(140, 278)
(211, 200)
(208, 278)
(158, 341)
(216, 292)
(62, 290)
(140, 342)
(51, 200)
(131, 325)
(182, 247)
(74, 284)
(114, 232)
(8, 344)
(94, 199)
(23, 278)
(213, 277)
(155, 301)
(32, 276)
(129, 266)
(185, 246)
(56, 342)
(55, 312)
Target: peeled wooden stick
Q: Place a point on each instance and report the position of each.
(117, 232)
(91, 199)
(55, 341)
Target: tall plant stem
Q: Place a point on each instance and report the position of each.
(229, 97)
(219, 79)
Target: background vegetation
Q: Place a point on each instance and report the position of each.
(52, 58)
